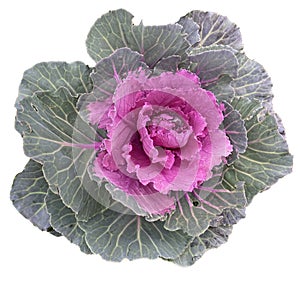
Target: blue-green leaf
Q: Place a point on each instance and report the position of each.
(234, 127)
(116, 236)
(63, 221)
(50, 76)
(115, 30)
(222, 88)
(252, 80)
(215, 29)
(266, 158)
(213, 237)
(191, 29)
(65, 144)
(28, 194)
(209, 63)
(195, 211)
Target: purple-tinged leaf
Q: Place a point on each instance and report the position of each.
(222, 88)
(235, 130)
(195, 211)
(109, 72)
(143, 200)
(215, 29)
(209, 63)
(191, 29)
(229, 217)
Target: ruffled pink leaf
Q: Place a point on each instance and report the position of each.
(146, 197)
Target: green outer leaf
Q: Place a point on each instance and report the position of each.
(157, 42)
(116, 236)
(222, 88)
(235, 130)
(229, 216)
(209, 63)
(107, 34)
(266, 158)
(216, 235)
(63, 221)
(252, 80)
(65, 144)
(195, 211)
(28, 193)
(50, 76)
(191, 219)
(211, 238)
(247, 108)
(216, 29)
(115, 30)
(168, 64)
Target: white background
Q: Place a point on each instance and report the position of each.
(264, 247)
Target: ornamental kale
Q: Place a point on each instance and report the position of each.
(158, 149)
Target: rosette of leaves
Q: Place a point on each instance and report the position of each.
(58, 192)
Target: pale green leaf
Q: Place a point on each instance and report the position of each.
(116, 236)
